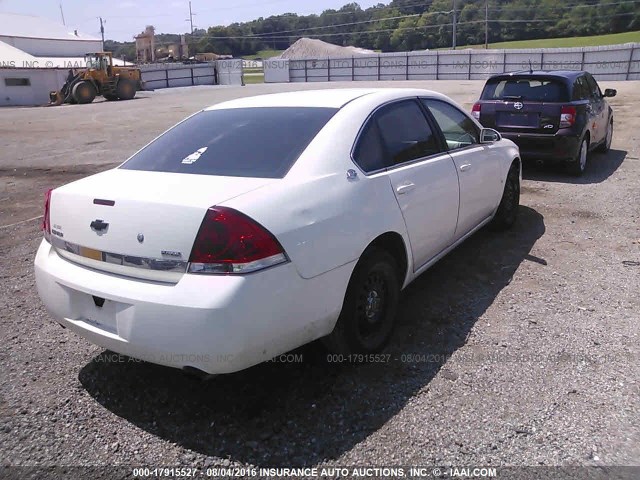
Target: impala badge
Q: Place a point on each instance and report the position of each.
(140, 238)
(171, 253)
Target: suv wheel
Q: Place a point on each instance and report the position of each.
(579, 164)
(606, 145)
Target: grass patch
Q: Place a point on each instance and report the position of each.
(594, 41)
(253, 78)
(264, 54)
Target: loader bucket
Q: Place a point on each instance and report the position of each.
(55, 98)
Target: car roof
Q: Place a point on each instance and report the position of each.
(565, 74)
(330, 98)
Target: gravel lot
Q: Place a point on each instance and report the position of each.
(527, 343)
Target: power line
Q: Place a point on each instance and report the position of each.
(365, 32)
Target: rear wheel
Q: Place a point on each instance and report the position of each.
(606, 145)
(83, 92)
(507, 211)
(579, 164)
(371, 301)
(126, 89)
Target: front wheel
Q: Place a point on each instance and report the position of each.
(83, 92)
(507, 211)
(368, 314)
(606, 145)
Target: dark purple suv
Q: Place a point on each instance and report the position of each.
(553, 116)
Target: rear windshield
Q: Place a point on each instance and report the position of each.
(236, 142)
(529, 88)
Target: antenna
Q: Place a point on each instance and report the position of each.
(62, 14)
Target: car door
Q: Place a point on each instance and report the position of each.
(599, 111)
(422, 175)
(477, 165)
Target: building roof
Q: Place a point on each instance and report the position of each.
(14, 57)
(28, 26)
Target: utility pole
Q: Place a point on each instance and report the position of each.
(191, 14)
(102, 31)
(62, 14)
(455, 20)
(486, 24)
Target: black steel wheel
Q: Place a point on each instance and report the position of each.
(368, 313)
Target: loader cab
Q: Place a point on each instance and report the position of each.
(99, 61)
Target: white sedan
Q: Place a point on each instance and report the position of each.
(260, 224)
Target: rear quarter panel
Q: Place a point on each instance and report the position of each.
(323, 219)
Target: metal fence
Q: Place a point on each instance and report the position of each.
(618, 62)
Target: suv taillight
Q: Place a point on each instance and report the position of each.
(230, 242)
(567, 117)
(46, 218)
(475, 111)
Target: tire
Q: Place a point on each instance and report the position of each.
(368, 313)
(605, 146)
(83, 92)
(579, 164)
(126, 89)
(110, 97)
(507, 212)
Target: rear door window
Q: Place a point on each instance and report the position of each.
(405, 132)
(237, 142)
(580, 89)
(395, 134)
(594, 89)
(369, 153)
(533, 89)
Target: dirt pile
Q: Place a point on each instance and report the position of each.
(314, 48)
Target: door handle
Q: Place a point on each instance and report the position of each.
(406, 188)
(465, 166)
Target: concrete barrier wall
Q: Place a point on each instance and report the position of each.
(168, 75)
(230, 71)
(615, 62)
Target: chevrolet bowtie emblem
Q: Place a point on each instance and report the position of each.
(99, 225)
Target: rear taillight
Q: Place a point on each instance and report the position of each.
(230, 242)
(475, 111)
(46, 218)
(567, 117)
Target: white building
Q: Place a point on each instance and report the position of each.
(42, 37)
(35, 56)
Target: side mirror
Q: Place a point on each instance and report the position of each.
(610, 92)
(489, 135)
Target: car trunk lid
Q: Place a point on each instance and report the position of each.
(136, 223)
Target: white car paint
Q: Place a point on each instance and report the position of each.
(323, 219)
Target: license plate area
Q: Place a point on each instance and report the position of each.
(86, 308)
(518, 119)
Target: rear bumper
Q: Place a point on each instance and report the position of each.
(215, 323)
(552, 148)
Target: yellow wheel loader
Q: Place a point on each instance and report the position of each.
(100, 77)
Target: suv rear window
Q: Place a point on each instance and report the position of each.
(237, 142)
(533, 89)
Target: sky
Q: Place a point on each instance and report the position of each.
(126, 18)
